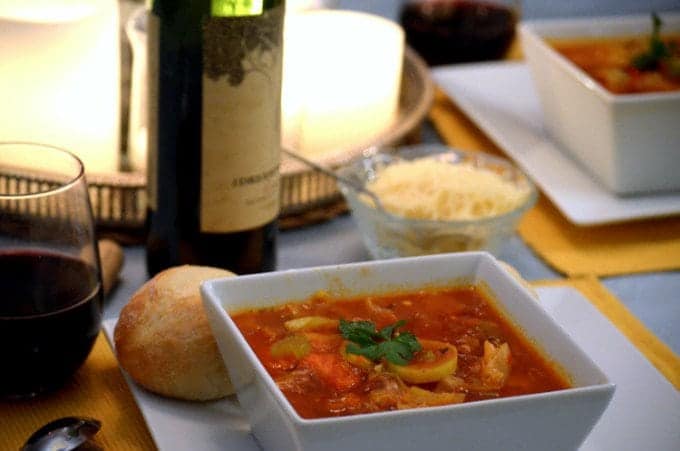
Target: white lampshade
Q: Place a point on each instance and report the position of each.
(60, 77)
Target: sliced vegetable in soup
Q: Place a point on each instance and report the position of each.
(628, 65)
(432, 347)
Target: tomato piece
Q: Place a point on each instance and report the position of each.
(333, 370)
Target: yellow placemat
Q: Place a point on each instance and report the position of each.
(656, 351)
(98, 390)
(638, 246)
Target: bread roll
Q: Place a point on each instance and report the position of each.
(163, 339)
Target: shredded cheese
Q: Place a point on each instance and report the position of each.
(427, 188)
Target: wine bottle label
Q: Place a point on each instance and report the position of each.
(242, 60)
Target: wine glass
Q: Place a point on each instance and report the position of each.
(50, 276)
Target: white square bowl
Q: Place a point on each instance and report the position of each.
(558, 420)
(629, 142)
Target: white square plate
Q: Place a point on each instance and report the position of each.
(500, 97)
(643, 414)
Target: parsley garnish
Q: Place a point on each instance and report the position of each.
(397, 347)
(657, 50)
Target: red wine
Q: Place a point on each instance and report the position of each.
(454, 31)
(50, 315)
(214, 133)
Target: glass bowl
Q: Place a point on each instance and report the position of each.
(389, 235)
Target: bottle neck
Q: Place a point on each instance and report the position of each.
(213, 8)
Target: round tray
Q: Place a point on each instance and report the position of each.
(119, 199)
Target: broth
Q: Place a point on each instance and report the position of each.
(304, 350)
(609, 61)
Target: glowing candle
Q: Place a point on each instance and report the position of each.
(135, 30)
(342, 78)
(60, 77)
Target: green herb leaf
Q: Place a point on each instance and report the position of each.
(397, 347)
(371, 352)
(360, 332)
(387, 331)
(658, 50)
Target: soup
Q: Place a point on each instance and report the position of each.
(618, 63)
(333, 357)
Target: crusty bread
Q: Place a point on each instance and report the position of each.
(163, 339)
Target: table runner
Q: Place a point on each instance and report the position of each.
(99, 390)
(614, 249)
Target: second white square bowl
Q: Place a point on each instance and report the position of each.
(630, 142)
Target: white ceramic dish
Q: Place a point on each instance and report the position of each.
(626, 425)
(565, 416)
(502, 100)
(631, 143)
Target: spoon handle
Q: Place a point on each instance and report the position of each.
(351, 183)
(66, 434)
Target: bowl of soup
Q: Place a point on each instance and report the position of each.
(610, 92)
(440, 352)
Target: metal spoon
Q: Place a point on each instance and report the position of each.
(351, 183)
(63, 434)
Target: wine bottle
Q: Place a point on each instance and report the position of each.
(214, 93)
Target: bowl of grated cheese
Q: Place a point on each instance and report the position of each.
(434, 199)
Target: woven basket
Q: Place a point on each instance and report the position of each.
(119, 199)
